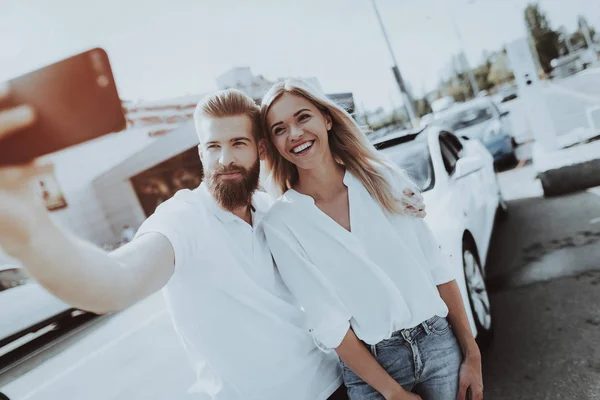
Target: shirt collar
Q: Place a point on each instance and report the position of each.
(349, 180)
(222, 214)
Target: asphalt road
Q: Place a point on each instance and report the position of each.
(544, 274)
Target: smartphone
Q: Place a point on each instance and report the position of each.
(75, 100)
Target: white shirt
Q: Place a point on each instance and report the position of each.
(379, 278)
(240, 325)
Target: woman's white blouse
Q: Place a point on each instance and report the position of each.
(379, 278)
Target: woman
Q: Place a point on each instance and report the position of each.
(372, 281)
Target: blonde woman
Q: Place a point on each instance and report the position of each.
(372, 281)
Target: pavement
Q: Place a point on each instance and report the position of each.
(543, 271)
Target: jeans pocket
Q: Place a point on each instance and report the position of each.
(439, 325)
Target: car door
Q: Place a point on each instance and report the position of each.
(470, 202)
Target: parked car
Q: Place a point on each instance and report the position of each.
(481, 119)
(25, 306)
(507, 93)
(463, 201)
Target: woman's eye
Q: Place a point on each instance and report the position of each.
(278, 131)
(303, 117)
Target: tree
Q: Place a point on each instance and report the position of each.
(423, 107)
(545, 39)
(481, 73)
(500, 71)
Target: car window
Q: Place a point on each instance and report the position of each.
(453, 142)
(415, 158)
(450, 155)
(12, 277)
(466, 117)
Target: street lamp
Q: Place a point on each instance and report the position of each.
(407, 100)
(464, 60)
(463, 57)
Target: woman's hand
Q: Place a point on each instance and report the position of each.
(403, 395)
(470, 377)
(413, 203)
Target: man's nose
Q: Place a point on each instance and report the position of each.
(226, 158)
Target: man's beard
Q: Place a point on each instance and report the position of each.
(237, 192)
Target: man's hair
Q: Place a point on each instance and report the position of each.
(228, 103)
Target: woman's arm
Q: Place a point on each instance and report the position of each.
(360, 360)
(470, 371)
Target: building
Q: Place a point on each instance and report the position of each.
(255, 86)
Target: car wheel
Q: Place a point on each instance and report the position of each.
(502, 210)
(479, 299)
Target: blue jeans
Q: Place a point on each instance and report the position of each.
(425, 360)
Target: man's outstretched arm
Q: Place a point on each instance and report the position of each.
(91, 279)
(73, 270)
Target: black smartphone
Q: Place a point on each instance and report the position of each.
(75, 100)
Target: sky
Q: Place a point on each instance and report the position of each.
(162, 49)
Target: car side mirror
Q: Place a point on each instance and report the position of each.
(466, 166)
(504, 114)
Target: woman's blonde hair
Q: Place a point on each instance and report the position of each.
(347, 141)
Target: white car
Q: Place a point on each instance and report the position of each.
(25, 306)
(463, 199)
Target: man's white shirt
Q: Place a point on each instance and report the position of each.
(242, 328)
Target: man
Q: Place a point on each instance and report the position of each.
(240, 325)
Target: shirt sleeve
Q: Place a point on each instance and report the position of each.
(328, 317)
(172, 220)
(438, 262)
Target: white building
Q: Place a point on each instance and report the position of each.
(255, 86)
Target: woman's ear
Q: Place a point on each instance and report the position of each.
(262, 149)
(328, 122)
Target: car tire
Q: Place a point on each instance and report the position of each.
(479, 300)
(502, 210)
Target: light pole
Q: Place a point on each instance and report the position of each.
(463, 57)
(407, 100)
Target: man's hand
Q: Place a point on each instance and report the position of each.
(470, 377)
(413, 203)
(20, 205)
